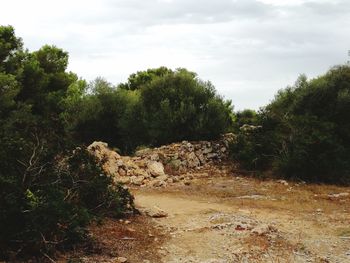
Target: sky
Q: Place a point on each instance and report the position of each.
(249, 49)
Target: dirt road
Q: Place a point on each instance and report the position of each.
(222, 216)
(235, 219)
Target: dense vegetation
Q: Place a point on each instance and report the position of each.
(304, 133)
(50, 188)
(48, 191)
(154, 107)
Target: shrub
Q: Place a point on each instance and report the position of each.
(305, 131)
(51, 212)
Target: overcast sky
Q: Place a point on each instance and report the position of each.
(247, 48)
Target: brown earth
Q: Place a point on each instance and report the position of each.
(225, 217)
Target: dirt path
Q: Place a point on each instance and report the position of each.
(230, 220)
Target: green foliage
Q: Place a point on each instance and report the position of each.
(154, 107)
(250, 149)
(246, 116)
(47, 195)
(138, 80)
(305, 130)
(48, 206)
(179, 106)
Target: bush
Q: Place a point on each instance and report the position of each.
(305, 131)
(51, 211)
(47, 196)
(154, 107)
(248, 149)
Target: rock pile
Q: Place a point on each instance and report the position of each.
(160, 166)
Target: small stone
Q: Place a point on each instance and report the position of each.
(123, 179)
(158, 183)
(175, 179)
(187, 182)
(284, 182)
(156, 212)
(162, 177)
(212, 156)
(207, 150)
(121, 260)
(155, 168)
(137, 180)
(154, 157)
(338, 195)
(170, 180)
(122, 172)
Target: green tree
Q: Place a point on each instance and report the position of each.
(48, 193)
(305, 130)
(180, 106)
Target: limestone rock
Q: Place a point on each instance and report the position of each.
(122, 260)
(192, 160)
(142, 152)
(146, 168)
(137, 180)
(162, 177)
(158, 183)
(122, 172)
(155, 212)
(175, 164)
(284, 182)
(155, 168)
(154, 157)
(123, 179)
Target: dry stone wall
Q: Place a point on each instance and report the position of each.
(160, 166)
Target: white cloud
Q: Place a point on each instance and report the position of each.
(249, 49)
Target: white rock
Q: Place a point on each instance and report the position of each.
(137, 180)
(284, 182)
(154, 157)
(155, 212)
(122, 260)
(338, 195)
(123, 179)
(155, 168)
(162, 177)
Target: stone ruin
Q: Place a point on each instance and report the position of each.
(161, 166)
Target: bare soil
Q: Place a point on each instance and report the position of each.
(226, 217)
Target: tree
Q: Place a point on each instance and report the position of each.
(48, 192)
(305, 130)
(180, 106)
(141, 78)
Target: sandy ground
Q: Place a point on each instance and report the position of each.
(227, 217)
(236, 219)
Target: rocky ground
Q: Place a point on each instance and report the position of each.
(213, 212)
(163, 166)
(244, 220)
